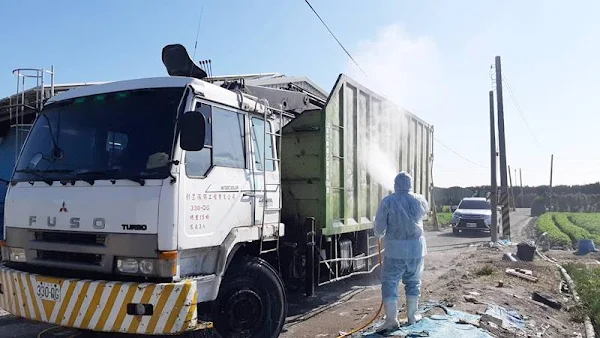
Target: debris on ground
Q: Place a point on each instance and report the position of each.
(505, 318)
(508, 256)
(546, 299)
(514, 272)
(472, 299)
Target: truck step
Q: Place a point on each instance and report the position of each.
(373, 241)
(268, 250)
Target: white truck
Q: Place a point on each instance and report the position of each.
(169, 205)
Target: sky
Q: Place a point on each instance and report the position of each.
(430, 57)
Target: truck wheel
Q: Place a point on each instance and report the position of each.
(251, 301)
(455, 232)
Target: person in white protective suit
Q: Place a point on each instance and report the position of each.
(399, 221)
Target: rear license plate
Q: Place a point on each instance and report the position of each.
(47, 291)
(471, 225)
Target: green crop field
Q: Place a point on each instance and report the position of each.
(565, 229)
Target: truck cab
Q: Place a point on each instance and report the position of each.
(106, 210)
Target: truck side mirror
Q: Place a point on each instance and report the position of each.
(453, 208)
(192, 131)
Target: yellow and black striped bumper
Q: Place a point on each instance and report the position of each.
(100, 305)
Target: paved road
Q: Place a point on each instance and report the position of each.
(11, 327)
(445, 240)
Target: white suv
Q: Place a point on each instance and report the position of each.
(472, 214)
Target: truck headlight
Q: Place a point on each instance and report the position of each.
(488, 220)
(17, 255)
(147, 266)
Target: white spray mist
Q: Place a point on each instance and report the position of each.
(387, 125)
(381, 168)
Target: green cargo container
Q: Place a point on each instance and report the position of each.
(326, 153)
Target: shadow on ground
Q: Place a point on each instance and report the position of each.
(302, 308)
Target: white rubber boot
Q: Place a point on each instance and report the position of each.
(391, 315)
(412, 305)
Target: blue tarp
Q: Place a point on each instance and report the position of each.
(440, 326)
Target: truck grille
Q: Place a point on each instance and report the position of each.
(471, 217)
(71, 257)
(70, 237)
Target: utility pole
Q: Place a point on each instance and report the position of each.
(551, 169)
(502, 146)
(511, 192)
(494, 194)
(522, 191)
(436, 224)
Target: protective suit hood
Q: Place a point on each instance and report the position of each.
(403, 182)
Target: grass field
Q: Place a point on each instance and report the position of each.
(444, 218)
(566, 229)
(587, 283)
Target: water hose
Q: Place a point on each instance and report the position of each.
(348, 334)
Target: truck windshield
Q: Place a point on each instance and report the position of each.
(127, 134)
(479, 205)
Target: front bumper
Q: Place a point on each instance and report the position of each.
(471, 224)
(101, 305)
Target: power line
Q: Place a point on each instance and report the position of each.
(458, 154)
(519, 109)
(336, 39)
(362, 70)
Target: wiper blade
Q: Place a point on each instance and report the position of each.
(86, 172)
(109, 172)
(40, 173)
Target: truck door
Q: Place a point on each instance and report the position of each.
(265, 177)
(215, 178)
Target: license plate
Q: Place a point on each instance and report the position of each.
(471, 225)
(47, 291)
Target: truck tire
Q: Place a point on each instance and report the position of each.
(455, 232)
(251, 301)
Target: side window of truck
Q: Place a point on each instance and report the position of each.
(228, 142)
(197, 163)
(224, 142)
(259, 137)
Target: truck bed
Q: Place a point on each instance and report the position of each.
(326, 152)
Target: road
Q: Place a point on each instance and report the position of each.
(312, 316)
(445, 240)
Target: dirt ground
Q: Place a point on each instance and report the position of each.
(464, 277)
(475, 271)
